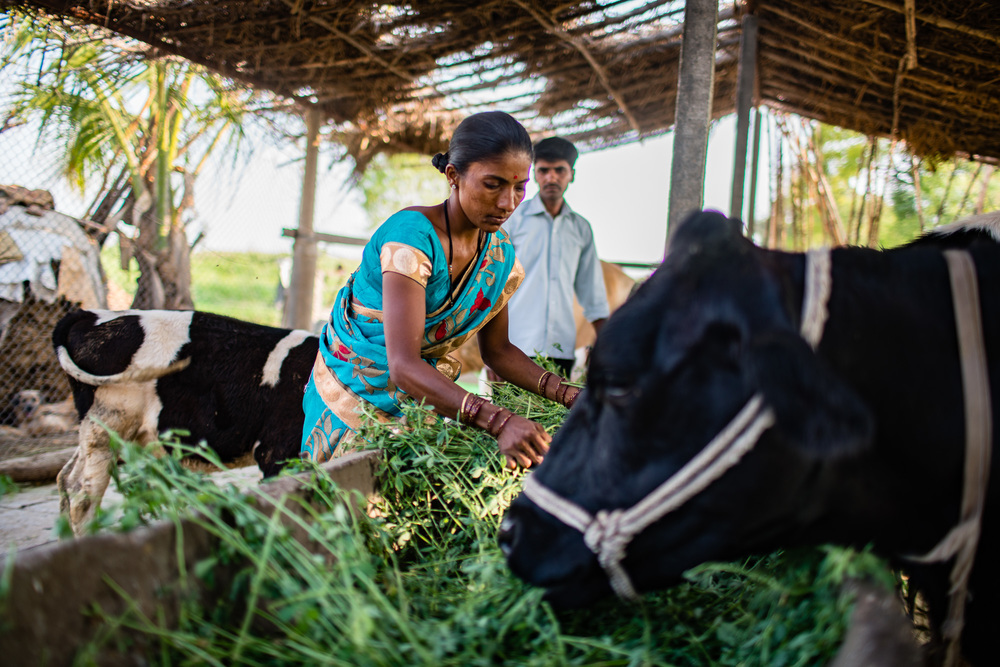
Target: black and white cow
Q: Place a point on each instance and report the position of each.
(864, 440)
(235, 385)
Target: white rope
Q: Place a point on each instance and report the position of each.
(818, 284)
(609, 532)
(962, 541)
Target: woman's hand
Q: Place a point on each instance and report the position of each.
(523, 442)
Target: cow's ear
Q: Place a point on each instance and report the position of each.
(814, 409)
(701, 228)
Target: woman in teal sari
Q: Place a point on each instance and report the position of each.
(430, 278)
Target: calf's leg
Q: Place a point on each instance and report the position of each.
(84, 479)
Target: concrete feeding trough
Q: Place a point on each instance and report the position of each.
(45, 619)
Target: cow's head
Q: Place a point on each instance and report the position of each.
(715, 325)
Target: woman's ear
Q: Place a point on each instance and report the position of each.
(452, 175)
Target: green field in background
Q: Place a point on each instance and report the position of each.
(243, 285)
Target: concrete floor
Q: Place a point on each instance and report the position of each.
(28, 517)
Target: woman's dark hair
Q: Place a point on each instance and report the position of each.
(484, 136)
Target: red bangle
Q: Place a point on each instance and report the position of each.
(542, 382)
(475, 408)
(571, 401)
(471, 405)
(489, 422)
(503, 423)
(507, 414)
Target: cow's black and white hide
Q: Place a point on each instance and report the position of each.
(868, 440)
(236, 386)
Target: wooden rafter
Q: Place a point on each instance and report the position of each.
(938, 21)
(403, 73)
(578, 44)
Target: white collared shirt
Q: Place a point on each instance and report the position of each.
(559, 258)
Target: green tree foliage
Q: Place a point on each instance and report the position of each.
(837, 186)
(133, 127)
(391, 183)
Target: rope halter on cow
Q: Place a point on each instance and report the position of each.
(608, 533)
(962, 541)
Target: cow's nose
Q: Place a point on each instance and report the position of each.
(507, 535)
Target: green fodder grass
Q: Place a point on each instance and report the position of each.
(424, 582)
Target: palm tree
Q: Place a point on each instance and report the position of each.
(140, 126)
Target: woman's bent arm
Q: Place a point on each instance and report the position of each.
(521, 441)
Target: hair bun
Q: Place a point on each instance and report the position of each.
(440, 161)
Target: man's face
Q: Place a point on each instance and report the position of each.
(553, 177)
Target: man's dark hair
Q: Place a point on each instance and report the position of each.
(556, 148)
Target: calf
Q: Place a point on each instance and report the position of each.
(854, 437)
(236, 386)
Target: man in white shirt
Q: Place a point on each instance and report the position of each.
(556, 247)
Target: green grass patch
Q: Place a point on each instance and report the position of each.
(425, 583)
(243, 285)
(8, 486)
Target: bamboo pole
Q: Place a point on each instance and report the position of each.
(981, 202)
(918, 195)
(747, 72)
(755, 162)
(777, 210)
(968, 191)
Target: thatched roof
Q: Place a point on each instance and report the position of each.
(396, 77)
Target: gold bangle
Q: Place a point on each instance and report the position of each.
(461, 409)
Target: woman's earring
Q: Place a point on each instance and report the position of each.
(453, 186)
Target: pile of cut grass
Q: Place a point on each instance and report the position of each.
(424, 583)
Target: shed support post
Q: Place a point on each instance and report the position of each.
(695, 86)
(300, 302)
(754, 164)
(744, 101)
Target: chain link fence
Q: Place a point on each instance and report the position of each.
(48, 266)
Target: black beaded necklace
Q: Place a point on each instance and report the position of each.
(447, 228)
(451, 247)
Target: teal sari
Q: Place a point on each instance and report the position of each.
(352, 365)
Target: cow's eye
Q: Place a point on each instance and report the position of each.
(619, 396)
